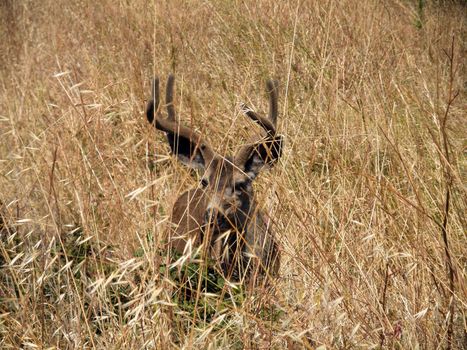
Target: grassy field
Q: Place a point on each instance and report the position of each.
(368, 200)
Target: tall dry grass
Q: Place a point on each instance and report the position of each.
(369, 199)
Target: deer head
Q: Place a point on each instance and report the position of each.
(224, 202)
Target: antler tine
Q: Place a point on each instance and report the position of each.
(169, 97)
(265, 123)
(153, 104)
(268, 124)
(272, 86)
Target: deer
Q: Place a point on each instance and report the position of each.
(221, 214)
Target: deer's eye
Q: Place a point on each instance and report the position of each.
(240, 186)
(204, 183)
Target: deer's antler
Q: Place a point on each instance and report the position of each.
(179, 136)
(272, 142)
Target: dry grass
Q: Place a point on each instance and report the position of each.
(369, 199)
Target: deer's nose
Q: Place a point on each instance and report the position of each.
(212, 216)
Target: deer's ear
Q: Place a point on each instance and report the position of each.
(266, 150)
(263, 155)
(187, 151)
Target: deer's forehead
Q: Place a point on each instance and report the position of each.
(239, 176)
(220, 169)
(223, 172)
